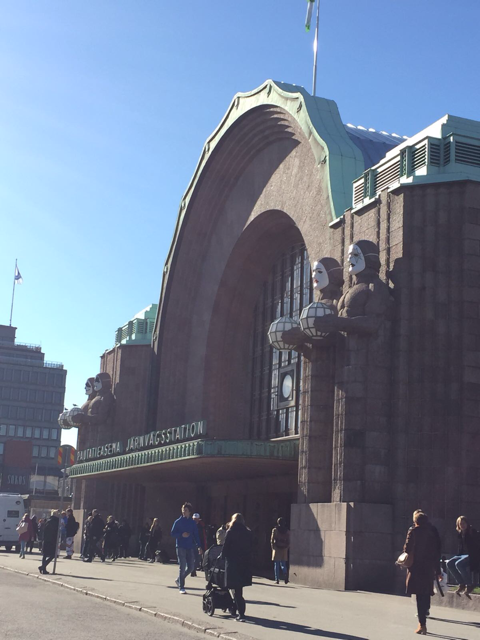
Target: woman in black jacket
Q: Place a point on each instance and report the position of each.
(423, 544)
(237, 552)
(154, 538)
(50, 533)
(110, 539)
(467, 561)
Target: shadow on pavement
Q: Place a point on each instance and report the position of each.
(468, 624)
(437, 635)
(69, 575)
(300, 628)
(271, 604)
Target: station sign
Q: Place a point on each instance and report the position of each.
(151, 440)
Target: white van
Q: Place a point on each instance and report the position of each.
(12, 508)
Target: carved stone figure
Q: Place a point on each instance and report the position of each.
(99, 410)
(365, 305)
(327, 276)
(90, 392)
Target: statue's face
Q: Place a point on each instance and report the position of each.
(97, 384)
(88, 388)
(319, 276)
(356, 259)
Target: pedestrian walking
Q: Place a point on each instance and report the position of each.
(185, 531)
(63, 528)
(50, 534)
(94, 537)
(41, 527)
(424, 546)
(32, 540)
(154, 538)
(84, 553)
(465, 566)
(280, 542)
(71, 529)
(110, 539)
(124, 533)
(237, 551)
(24, 530)
(203, 542)
(143, 539)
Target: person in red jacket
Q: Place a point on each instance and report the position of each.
(25, 533)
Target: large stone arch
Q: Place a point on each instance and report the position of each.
(267, 163)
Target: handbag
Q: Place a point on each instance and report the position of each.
(405, 560)
(22, 528)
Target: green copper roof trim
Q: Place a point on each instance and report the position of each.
(259, 449)
(319, 119)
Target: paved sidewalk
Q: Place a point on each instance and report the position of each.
(288, 612)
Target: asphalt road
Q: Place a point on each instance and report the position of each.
(32, 609)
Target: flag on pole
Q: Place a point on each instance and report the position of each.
(308, 19)
(18, 276)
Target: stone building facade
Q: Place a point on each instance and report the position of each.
(376, 426)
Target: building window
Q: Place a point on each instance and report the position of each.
(3, 429)
(1, 448)
(28, 432)
(31, 395)
(33, 377)
(37, 432)
(51, 452)
(35, 452)
(54, 434)
(286, 292)
(11, 430)
(26, 376)
(43, 453)
(12, 412)
(20, 432)
(17, 375)
(46, 434)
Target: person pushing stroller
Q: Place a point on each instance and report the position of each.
(217, 596)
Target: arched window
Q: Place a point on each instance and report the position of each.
(286, 292)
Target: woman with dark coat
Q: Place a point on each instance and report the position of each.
(237, 551)
(154, 538)
(424, 545)
(50, 533)
(467, 561)
(110, 539)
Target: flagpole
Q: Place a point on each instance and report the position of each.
(315, 51)
(13, 292)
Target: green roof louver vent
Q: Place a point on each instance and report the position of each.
(467, 153)
(435, 154)
(419, 157)
(446, 151)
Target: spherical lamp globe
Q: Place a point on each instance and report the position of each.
(308, 315)
(277, 328)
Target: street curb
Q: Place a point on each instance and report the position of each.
(216, 632)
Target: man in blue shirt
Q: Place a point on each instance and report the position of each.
(186, 533)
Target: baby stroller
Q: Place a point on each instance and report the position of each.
(217, 596)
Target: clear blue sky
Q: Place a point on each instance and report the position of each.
(105, 106)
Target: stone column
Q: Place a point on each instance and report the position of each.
(316, 427)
